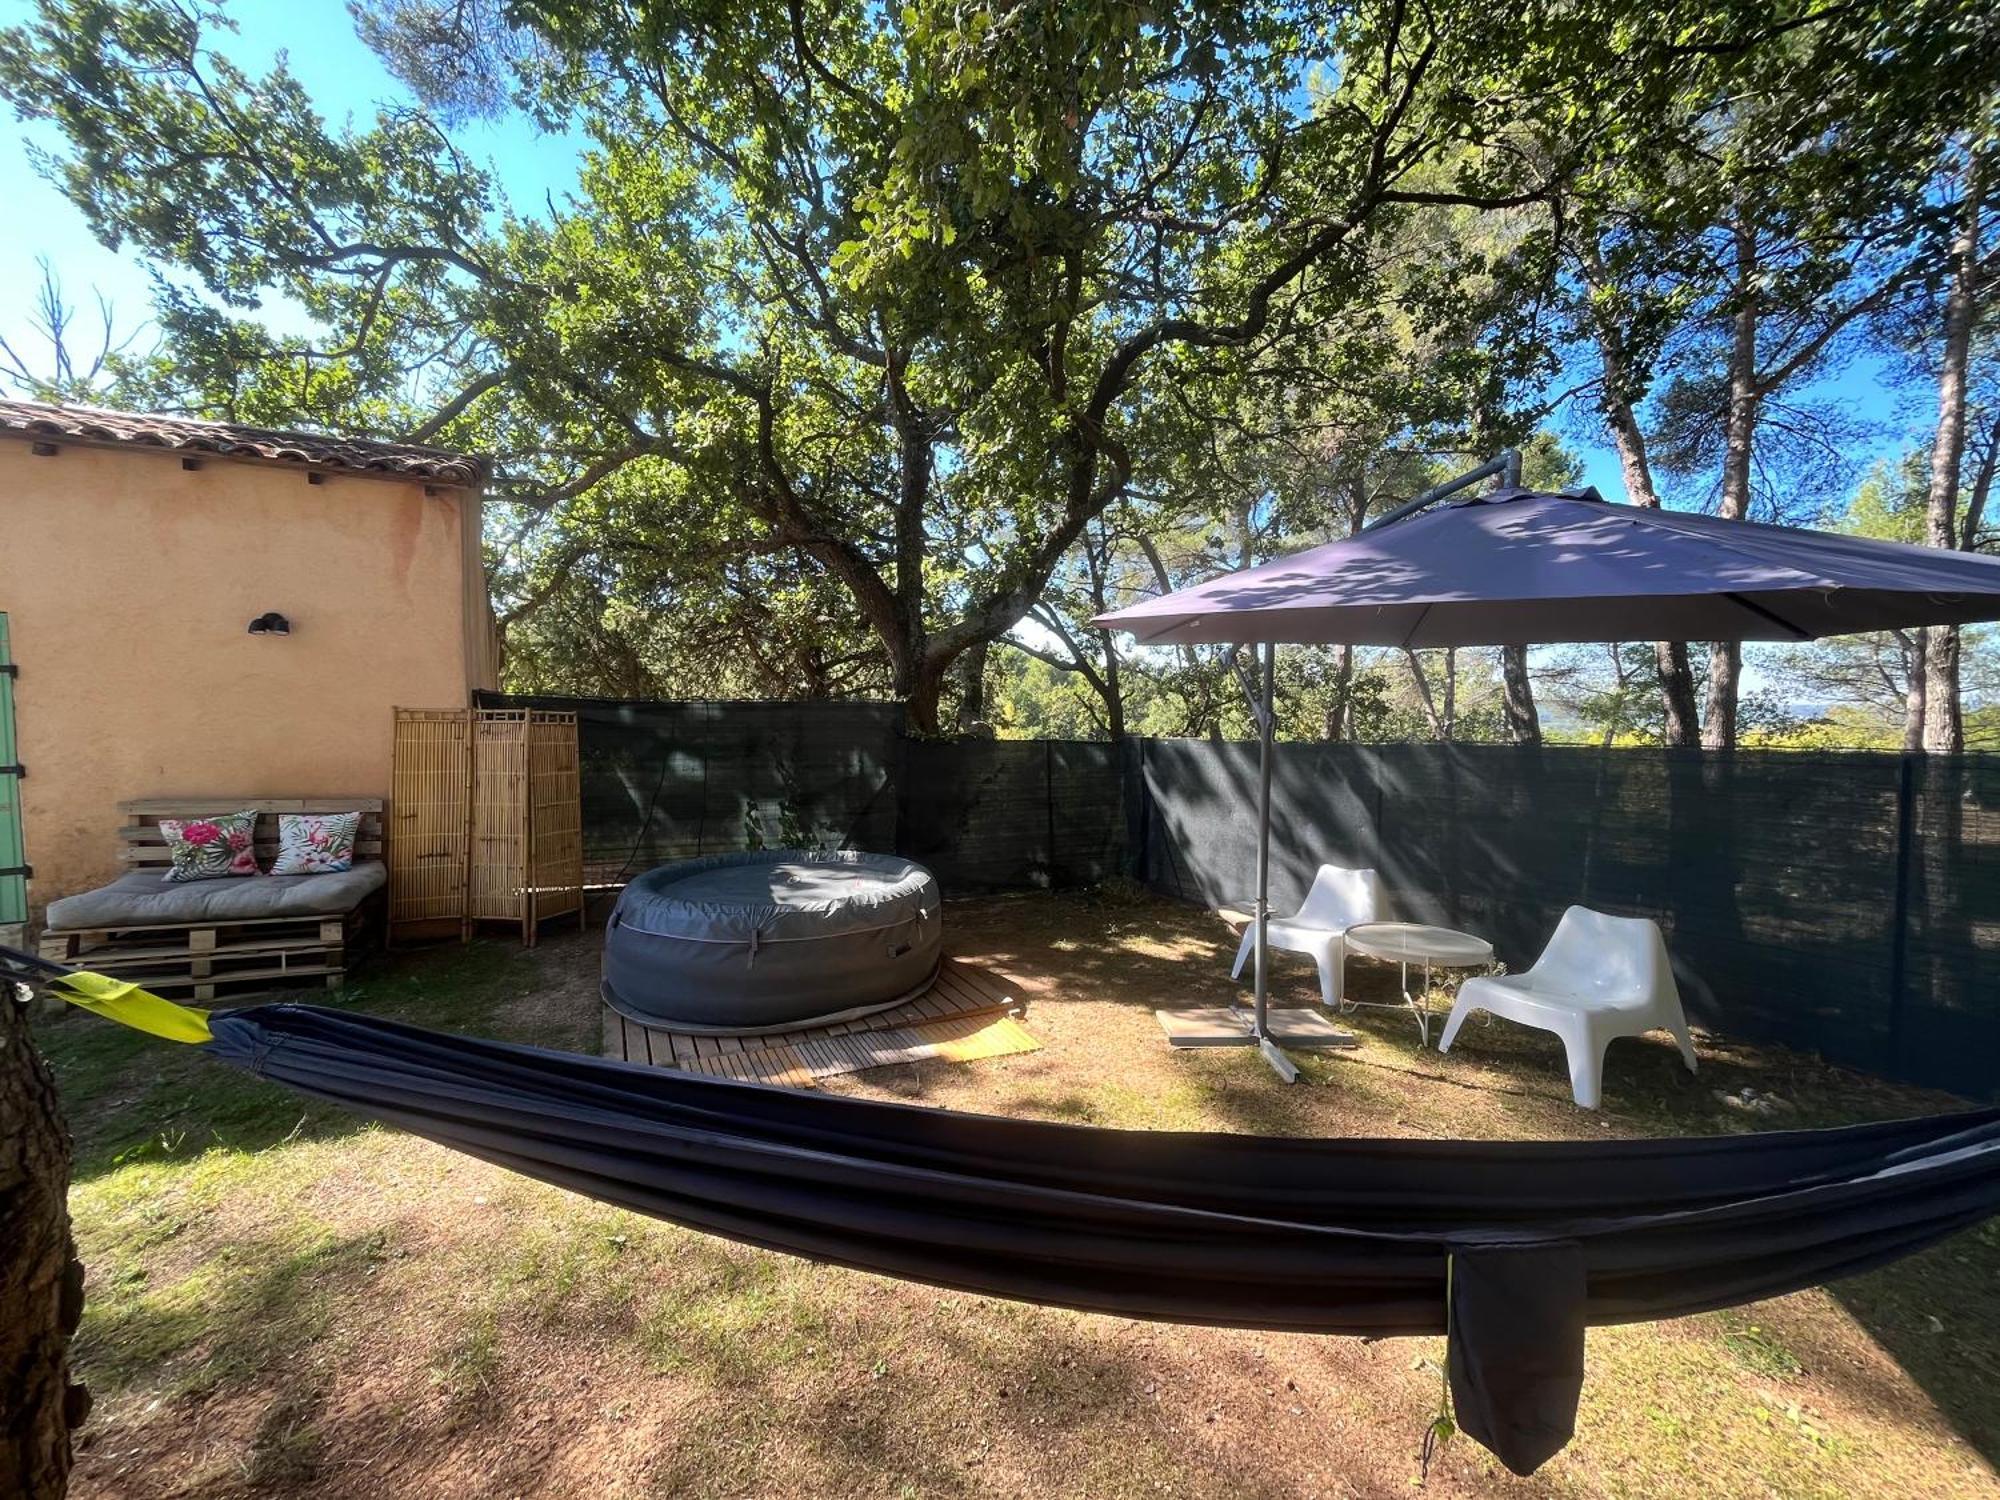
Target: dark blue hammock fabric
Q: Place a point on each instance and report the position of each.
(1319, 1236)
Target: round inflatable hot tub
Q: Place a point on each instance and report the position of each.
(771, 940)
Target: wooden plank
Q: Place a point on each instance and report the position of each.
(772, 1064)
(975, 986)
(787, 1068)
(951, 1015)
(172, 807)
(159, 856)
(141, 952)
(963, 995)
(846, 1055)
(244, 976)
(986, 982)
(150, 836)
(258, 923)
(613, 1043)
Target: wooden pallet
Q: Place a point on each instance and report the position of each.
(968, 1013)
(196, 960)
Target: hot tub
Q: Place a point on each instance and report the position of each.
(771, 940)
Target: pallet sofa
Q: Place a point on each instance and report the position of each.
(246, 932)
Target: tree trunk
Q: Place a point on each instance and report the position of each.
(41, 1281)
(1114, 690)
(1914, 645)
(1944, 724)
(921, 696)
(1340, 711)
(972, 688)
(1424, 698)
(1725, 658)
(1450, 691)
(1524, 724)
(1680, 716)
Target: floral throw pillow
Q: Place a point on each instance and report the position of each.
(210, 848)
(315, 843)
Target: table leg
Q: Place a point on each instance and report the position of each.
(1417, 1010)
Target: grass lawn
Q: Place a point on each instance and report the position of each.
(287, 1301)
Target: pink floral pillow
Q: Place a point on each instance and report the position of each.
(316, 843)
(211, 848)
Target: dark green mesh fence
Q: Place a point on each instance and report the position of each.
(1845, 904)
(665, 781)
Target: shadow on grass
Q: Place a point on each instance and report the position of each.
(133, 1098)
(1937, 1315)
(254, 1302)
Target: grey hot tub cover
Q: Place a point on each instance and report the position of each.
(772, 939)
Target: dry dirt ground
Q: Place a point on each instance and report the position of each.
(283, 1301)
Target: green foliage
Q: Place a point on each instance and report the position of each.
(903, 296)
(868, 331)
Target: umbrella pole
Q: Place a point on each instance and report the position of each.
(1266, 731)
(1226, 1026)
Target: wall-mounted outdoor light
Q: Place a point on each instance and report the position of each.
(271, 623)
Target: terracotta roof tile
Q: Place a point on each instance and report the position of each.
(315, 450)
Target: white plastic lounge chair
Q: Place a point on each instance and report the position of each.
(1599, 977)
(1339, 899)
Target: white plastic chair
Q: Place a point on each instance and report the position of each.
(1339, 899)
(1599, 977)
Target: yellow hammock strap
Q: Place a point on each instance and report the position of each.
(121, 1001)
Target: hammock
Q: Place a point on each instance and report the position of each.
(1510, 1247)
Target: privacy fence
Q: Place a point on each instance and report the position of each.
(1846, 904)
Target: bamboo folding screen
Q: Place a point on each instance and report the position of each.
(485, 824)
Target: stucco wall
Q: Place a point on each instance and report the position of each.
(130, 582)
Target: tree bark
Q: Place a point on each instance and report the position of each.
(1424, 698)
(1524, 724)
(1725, 658)
(1680, 716)
(972, 688)
(1944, 723)
(1340, 711)
(1914, 645)
(41, 1280)
(1450, 692)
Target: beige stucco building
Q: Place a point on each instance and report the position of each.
(135, 552)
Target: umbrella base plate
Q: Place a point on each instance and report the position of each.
(1229, 1026)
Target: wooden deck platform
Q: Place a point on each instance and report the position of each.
(968, 1013)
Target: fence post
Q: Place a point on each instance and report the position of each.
(899, 840)
(1144, 868)
(1899, 936)
(1049, 808)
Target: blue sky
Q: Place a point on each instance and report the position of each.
(346, 79)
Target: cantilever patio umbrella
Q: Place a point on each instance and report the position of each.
(1519, 567)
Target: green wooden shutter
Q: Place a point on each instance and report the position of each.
(14, 885)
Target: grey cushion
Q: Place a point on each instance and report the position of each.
(140, 898)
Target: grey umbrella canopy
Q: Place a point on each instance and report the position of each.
(1521, 568)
